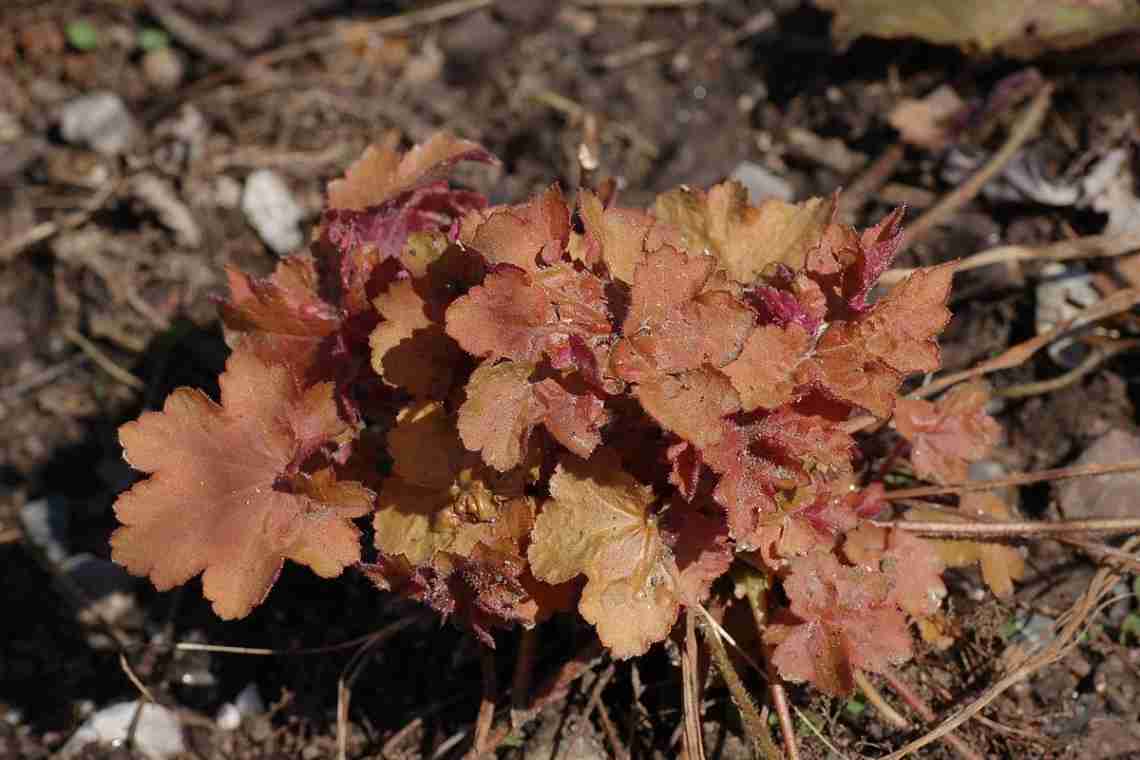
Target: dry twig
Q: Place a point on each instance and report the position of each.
(691, 691)
(1098, 356)
(1017, 479)
(1025, 128)
(105, 363)
(595, 703)
(1088, 247)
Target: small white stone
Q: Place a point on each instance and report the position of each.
(248, 702)
(228, 717)
(273, 211)
(99, 120)
(158, 734)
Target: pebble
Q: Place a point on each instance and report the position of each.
(158, 734)
(1062, 293)
(1107, 496)
(247, 703)
(46, 522)
(274, 213)
(762, 183)
(99, 120)
(163, 68)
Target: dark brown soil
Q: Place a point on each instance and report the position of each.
(679, 96)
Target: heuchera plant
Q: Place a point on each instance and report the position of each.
(552, 406)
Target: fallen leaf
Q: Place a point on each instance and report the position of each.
(1018, 28)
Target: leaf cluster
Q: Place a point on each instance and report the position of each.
(584, 407)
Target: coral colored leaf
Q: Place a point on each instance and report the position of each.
(439, 495)
(521, 235)
(579, 299)
(481, 578)
(409, 347)
(215, 502)
(901, 329)
(382, 173)
(782, 308)
(764, 372)
(811, 443)
(499, 413)
(662, 282)
(385, 197)
(614, 236)
(744, 239)
(848, 264)
(425, 447)
(685, 464)
(816, 524)
(691, 405)
(598, 523)
(877, 248)
(911, 563)
(281, 318)
(710, 329)
(747, 493)
(701, 549)
(507, 317)
(288, 302)
(841, 619)
(1001, 565)
(863, 361)
(674, 324)
(575, 420)
(948, 434)
(386, 229)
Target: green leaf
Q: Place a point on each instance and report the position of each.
(153, 38)
(82, 35)
(855, 706)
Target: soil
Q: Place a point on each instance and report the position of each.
(107, 304)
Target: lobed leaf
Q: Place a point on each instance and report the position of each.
(764, 374)
(522, 235)
(841, 619)
(222, 497)
(744, 239)
(599, 524)
(948, 434)
(382, 173)
(507, 317)
(409, 348)
(912, 565)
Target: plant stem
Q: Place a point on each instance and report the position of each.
(754, 726)
(691, 691)
(520, 682)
